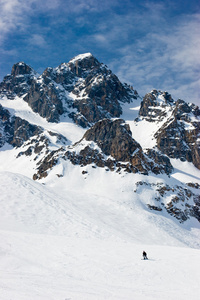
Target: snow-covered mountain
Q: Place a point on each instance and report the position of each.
(116, 129)
(84, 157)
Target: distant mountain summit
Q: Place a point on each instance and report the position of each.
(18, 82)
(87, 93)
(83, 88)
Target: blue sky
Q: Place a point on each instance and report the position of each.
(148, 44)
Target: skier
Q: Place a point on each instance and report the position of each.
(144, 255)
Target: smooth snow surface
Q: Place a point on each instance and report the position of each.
(80, 235)
(88, 246)
(38, 267)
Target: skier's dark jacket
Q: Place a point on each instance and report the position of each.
(144, 254)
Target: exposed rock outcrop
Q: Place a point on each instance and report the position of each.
(155, 105)
(182, 203)
(45, 100)
(179, 135)
(100, 93)
(160, 161)
(115, 140)
(46, 164)
(18, 82)
(108, 144)
(14, 130)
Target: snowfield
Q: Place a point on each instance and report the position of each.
(80, 235)
(86, 246)
(58, 267)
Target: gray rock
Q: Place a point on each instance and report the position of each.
(18, 82)
(179, 136)
(14, 130)
(114, 138)
(44, 99)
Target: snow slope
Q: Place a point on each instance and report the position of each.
(84, 246)
(38, 267)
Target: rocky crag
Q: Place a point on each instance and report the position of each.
(179, 136)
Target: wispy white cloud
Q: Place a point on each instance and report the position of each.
(100, 38)
(38, 40)
(166, 56)
(79, 6)
(13, 16)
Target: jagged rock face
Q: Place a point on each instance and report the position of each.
(179, 136)
(44, 99)
(18, 83)
(114, 138)
(61, 75)
(182, 202)
(154, 104)
(108, 144)
(22, 131)
(14, 130)
(21, 69)
(67, 74)
(47, 163)
(95, 90)
(160, 160)
(170, 141)
(100, 93)
(5, 126)
(82, 64)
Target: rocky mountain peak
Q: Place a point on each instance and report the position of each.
(21, 69)
(178, 125)
(82, 63)
(155, 104)
(78, 67)
(18, 82)
(83, 88)
(80, 57)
